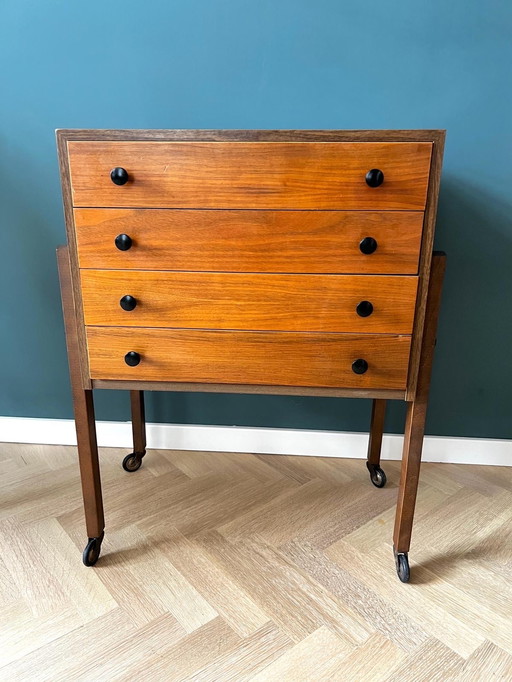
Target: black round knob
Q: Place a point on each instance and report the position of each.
(132, 358)
(129, 302)
(374, 177)
(368, 245)
(119, 176)
(359, 366)
(363, 309)
(123, 242)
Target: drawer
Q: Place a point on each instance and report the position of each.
(261, 358)
(251, 241)
(255, 175)
(330, 303)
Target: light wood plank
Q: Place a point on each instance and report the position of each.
(252, 655)
(447, 621)
(178, 660)
(225, 596)
(488, 662)
(121, 656)
(298, 604)
(77, 648)
(312, 659)
(385, 617)
(371, 662)
(22, 632)
(432, 662)
(209, 571)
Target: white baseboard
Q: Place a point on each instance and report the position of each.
(257, 440)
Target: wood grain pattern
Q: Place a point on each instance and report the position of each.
(233, 135)
(432, 137)
(417, 412)
(269, 171)
(63, 622)
(427, 246)
(289, 359)
(246, 301)
(276, 175)
(250, 241)
(130, 385)
(83, 406)
(72, 256)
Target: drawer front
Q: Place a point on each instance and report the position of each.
(262, 358)
(256, 175)
(331, 303)
(251, 241)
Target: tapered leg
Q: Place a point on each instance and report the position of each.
(133, 461)
(411, 459)
(84, 421)
(377, 475)
(89, 463)
(415, 424)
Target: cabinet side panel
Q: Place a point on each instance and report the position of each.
(427, 246)
(62, 151)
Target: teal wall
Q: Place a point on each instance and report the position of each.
(263, 64)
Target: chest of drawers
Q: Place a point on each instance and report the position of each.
(292, 262)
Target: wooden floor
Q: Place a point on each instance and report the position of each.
(227, 567)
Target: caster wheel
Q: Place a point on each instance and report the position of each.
(377, 475)
(92, 551)
(402, 566)
(133, 461)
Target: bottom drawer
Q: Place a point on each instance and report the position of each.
(237, 357)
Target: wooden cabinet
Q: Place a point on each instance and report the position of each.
(269, 261)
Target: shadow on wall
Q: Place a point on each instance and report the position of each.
(472, 378)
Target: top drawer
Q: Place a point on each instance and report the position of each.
(253, 175)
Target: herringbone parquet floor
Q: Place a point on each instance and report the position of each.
(227, 567)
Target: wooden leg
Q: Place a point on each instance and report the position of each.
(133, 461)
(415, 424)
(138, 421)
(411, 458)
(377, 475)
(376, 431)
(84, 421)
(88, 460)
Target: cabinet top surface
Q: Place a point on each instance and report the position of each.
(156, 135)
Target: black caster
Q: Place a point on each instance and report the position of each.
(402, 566)
(92, 551)
(377, 475)
(133, 461)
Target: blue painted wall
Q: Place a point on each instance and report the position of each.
(247, 64)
